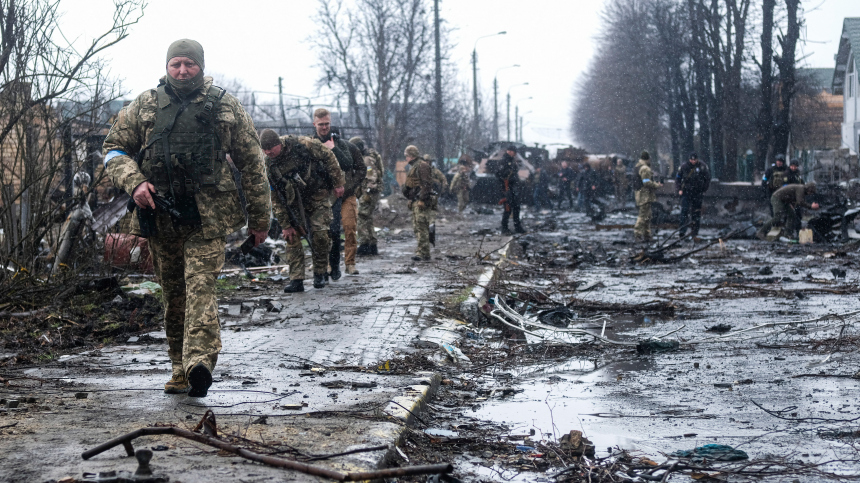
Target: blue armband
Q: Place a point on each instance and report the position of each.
(646, 180)
(112, 154)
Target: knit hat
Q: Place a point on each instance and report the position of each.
(794, 162)
(645, 156)
(693, 155)
(511, 148)
(269, 139)
(194, 51)
(411, 152)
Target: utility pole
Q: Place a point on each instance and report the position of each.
(475, 89)
(281, 101)
(516, 122)
(440, 140)
(508, 130)
(495, 109)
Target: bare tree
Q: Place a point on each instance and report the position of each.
(764, 122)
(786, 62)
(51, 93)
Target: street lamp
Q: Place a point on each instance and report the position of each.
(475, 76)
(496, 101)
(509, 107)
(517, 132)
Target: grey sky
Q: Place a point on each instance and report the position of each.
(257, 41)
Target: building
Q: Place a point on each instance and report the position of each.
(845, 82)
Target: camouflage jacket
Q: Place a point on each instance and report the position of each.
(316, 166)
(647, 194)
(375, 173)
(460, 182)
(220, 209)
(440, 181)
(351, 162)
(419, 182)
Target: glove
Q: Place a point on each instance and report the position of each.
(421, 205)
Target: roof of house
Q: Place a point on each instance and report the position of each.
(850, 37)
(820, 78)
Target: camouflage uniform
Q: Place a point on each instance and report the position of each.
(460, 186)
(419, 190)
(188, 259)
(371, 190)
(317, 167)
(644, 197)
(440, 186)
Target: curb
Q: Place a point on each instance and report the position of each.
(471, 307)
(406, 408)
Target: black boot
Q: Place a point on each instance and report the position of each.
(335, 273)
(200, 379)
(319, 280)
(334, 258)
(363, 250)
(519, 229)
(373, 250)
(506, 230)
(295, 286)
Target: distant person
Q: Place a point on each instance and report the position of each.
(508, 174)
(784, 200)
(418, 189)
(540, 181)
(645, 194)
(460, 186)
(586, 185)
(371, 190)
(565, 178)
(775, 177)
(693, 180)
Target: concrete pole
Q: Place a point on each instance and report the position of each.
(440, 140)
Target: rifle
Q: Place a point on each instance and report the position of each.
(504, 201)
(146, 216)
(297, 220)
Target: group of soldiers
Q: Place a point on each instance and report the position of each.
(174, 149)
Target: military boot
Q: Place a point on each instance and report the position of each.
(374, 250)
(363, 250)
(200, 379)
(351, 270)
(177, 384)
(519, 229)
(335, 273)
(295, 286)
(319, 280)
(506, 231)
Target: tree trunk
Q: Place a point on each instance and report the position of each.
(786, 63)
(702, 84)
(764, 120)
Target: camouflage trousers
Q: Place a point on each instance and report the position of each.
(318, 213)
(462, 200)
(366, 206)
(642, 228)
(421, 219)
(187, 267)
(349, 221)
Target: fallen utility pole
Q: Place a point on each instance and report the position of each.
(126, 439)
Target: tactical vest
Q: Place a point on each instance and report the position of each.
(412, 185)
(183, 154)
(779, 179)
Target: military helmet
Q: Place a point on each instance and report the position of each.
(358, 142)
(780, 157)
(645, 156)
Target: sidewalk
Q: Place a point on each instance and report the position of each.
(270, 360)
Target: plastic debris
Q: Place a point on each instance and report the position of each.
(712, 452)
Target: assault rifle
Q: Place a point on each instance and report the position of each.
(297, 220)
(146, 216)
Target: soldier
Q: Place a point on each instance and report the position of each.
(645, 195)
(418, 189)
(692, 181)
(303, 173)
(508, 174)
(172, 143)
(540, 181)
(783, 201)
(371, 190)
(619, 180)
(794, 174)
(460, 187)
(565, 178)
(775, 177)
(586, 185)
(345, 208)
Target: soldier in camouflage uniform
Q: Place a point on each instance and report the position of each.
(344, 208)
(418, 189)
(460, 186)
(440, 186)
(371, 189)
(195, 125)
(645, 195)
(299, 165)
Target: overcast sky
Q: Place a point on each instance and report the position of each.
(259, 40)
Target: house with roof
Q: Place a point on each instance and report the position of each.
(845, 82)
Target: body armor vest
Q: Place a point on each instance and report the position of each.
(183, 153)
(779, 179)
